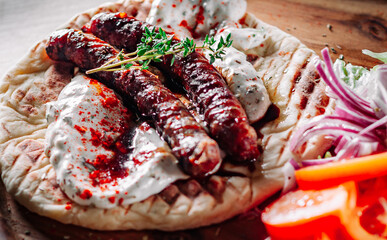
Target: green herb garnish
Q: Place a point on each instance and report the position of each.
(155, 45)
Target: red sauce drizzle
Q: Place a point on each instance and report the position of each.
(98, 86)
(80, 129)
(143, 157)
(242, 21)
(86, 194)
(108, 168)
(184, 24)
(200, 16)
(112, 199)
(96, 137)
(68, 206)
(110, 102)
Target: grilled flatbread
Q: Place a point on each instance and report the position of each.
(293, 85)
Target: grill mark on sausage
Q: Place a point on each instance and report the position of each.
(202, 82)
(198, 154)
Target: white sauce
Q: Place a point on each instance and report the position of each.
(244, 83)
(194, 16)
(172, 15)
(218, 11)
(240, 74)
(71, 150)
(248, 40)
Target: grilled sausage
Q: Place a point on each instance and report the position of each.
(198, 154)
(223, 114)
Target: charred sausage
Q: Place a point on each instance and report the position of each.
(198, 154)
(223, 114)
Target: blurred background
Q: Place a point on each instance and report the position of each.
(24, 23)
(347, 26)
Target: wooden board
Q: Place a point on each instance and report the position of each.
(356, 25)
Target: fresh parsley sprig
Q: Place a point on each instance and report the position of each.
(155, 45)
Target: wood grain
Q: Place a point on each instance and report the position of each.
(356, 25)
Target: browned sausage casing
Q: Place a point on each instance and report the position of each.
(223, 114)
(198, 154)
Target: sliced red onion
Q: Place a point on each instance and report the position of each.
(358, 127)
(347, 94)
(329, 131)
(341, 110)
(335, 126)
(380, 122)
(341, 144)
(294, 163)
(349, 150)
(348, 103)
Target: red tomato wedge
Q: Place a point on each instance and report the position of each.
(333, 174)
(355, 227)
(304, 214)
(370, 191)
(369, 219)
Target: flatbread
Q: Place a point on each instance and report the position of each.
(293, 86)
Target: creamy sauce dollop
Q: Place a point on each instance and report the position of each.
(239, 73)
(197, 18)
(194, 18)
(100, 156)
(247, 40)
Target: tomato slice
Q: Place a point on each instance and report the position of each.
(354, 226)
(373, 218)
(369, 219)
(305, 214)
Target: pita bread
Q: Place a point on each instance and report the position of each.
(293, 86)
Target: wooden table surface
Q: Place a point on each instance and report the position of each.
(355, 25)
